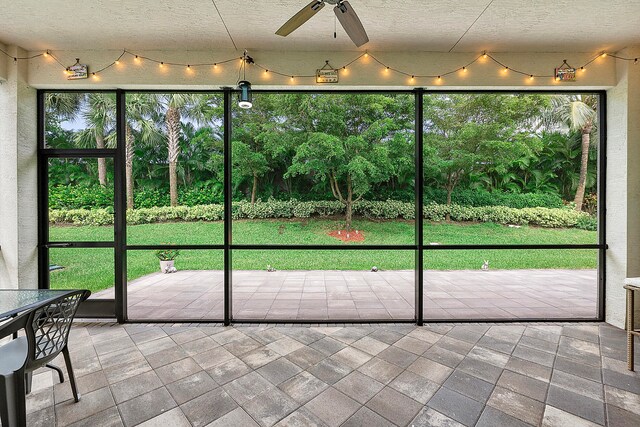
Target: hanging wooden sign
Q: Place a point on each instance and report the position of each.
(565, 72)
(77, 71)
(327, 74)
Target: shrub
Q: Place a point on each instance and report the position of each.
(468, 197)
(389, 209)
(88, 197)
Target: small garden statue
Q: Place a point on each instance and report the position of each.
(270, 268)
(485, 265)
(374, 269)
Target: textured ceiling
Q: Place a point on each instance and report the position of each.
(424, 25)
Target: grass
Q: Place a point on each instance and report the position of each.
(93, 268)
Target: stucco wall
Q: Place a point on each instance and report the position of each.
(18, 178)
(3, 64)
(623, 185)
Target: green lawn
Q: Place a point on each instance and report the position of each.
(93, 268)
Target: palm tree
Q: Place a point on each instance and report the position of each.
(578, 112)
(176, 106)
(142, 125)
(99, 114)
(60, 107)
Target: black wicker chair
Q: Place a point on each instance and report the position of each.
(47, 331)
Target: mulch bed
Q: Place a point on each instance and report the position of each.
(348, 236)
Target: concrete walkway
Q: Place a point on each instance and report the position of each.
(363, 295)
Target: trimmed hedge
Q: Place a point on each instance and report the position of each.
(479, 197)
(87, 197)
(390, 209)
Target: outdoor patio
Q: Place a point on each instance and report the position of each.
(340, 295)
(385, 375)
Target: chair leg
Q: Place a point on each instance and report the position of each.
(7, 406)
(13, 404)
(58, 370)
(20, 398)
(72, 378)
(28, 380)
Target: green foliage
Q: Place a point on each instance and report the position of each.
(542, 217)
(167, 254)
(479, 197)
(80, 197)
(389, 209)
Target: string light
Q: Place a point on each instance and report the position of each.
(463, 69)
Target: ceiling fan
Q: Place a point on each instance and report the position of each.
(344, 12)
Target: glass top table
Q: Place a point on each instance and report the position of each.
(14, 301)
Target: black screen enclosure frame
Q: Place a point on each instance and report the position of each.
(117, 307)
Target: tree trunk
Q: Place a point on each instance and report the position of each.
(253, 189)
(584, 163)
(173, 145)
(102, 165)
(129, 167)
(173, 183)
(349, 204)
(449, 188)
(348, 213)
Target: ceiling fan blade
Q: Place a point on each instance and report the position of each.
(300, 18)
(351, 23)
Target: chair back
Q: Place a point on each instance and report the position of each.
(48, 328)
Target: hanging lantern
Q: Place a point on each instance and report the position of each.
(244, 100)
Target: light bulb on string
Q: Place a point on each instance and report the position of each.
(604, 54)
(46, 54)
(161, 64)
(484, 54)
(583, 69)
(505, 69)
(531, 77)
(464, 69)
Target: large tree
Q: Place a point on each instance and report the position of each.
(468, 135)
(578, 112)
(99, 114)
(346, 141)
(175, 107)
(142, 121)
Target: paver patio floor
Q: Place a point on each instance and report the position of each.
(364, 295)
(488, 375)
